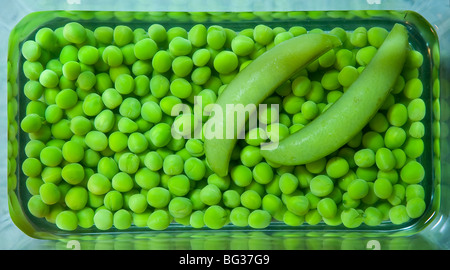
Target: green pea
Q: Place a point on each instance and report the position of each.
(327, 208)
(201, 57)
(130, 107)
(122, 182)
(162, 61)
(179, 185)
(197, 35)
(126, 125)
(173, 164)
(50, 193)
(327, 59)
(122, 35)
(412, 173)
(72, 151)
(32, 70)
(352, 218)
(196, 219)
(194, 168)
(98, 184)
(239, 216)
(113, 200)
(76, 198)
(215, 217)
(385, 159)
(33, 90)
(159, 85)
(159, 220)
(376, 36)
(137, 143)
(129, 163)
(122, 219)
(359, 37)
(413, 147)
(103, 219)
(321, 185)
(241, 175)
(414, 191)
(413, 88)
(104, 34)
(182, 66)
(372, 216)
(33, 148)
(180, 207)
(104, 121)
(242, 45)
(88, 55)
(158, 197)
(51, 156)
(225, 62)
(146, 178)
(74, 32)
(330, 80)
(157, 32)
(181, 88)
(398, 214)
(416, 130)
(364, 55)
(383, 188)
(137, 203)
(96, 140)
(159, 134)
(298, 204)
(124, 84)
(394, 137)
(31, 123)
(92, 104)
(117, 141)
(67, 220)
(112, 56)
(31, 50)
(48, 78)
(372, 140)
(86, 80)
(416, 109)
(180, 46)
(73, 173)
(415, 207)
(358, 189)
(145, 49)
(153, 161)
(216, 37)
(263, 34)
(337, 167)
(259, 219)
(86, 217)
(397, 115)
(111, 98)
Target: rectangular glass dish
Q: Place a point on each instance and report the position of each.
(422, 39)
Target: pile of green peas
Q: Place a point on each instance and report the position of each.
(100, 152)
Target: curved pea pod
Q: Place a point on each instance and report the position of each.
(345, 118)
(257, 82)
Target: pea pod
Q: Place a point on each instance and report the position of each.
(258, 81)
(345, 118)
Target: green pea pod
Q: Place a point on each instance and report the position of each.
(257, 82)
(345, 118)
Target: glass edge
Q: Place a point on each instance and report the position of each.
(19, 32)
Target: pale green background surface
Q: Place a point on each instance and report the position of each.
(435, 236)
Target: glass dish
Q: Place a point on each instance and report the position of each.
(422, 37)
